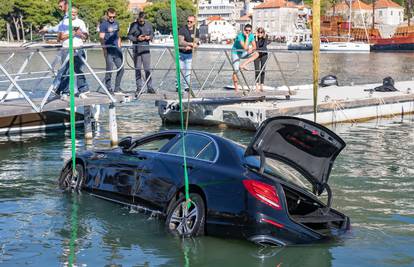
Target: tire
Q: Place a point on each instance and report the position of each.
(187, 226)
(66, 180)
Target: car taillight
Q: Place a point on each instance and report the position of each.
(263, 192)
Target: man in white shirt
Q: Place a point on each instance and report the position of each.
(80, 33)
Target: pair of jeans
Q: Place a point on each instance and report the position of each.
(113, 57)
(259, 68)
(185, 66)
(142, 59)
(63, 74)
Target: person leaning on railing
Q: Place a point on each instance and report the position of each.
(141, 33)
(243, 48)
(111, 42)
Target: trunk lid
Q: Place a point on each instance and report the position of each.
(308, 147)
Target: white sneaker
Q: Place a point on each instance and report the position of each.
(64, 97)
(83, 95)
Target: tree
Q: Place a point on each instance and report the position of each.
(159, 14)
(22, 14)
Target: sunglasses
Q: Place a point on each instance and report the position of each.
(260, 32)
(190, 21)
(111, 17)
(247, 30)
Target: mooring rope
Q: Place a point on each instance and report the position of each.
(180, 97)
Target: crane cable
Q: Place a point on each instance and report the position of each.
(190, 89)
(74, 213)
(180, 98)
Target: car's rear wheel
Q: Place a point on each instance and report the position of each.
(69, 182)
(186, 221)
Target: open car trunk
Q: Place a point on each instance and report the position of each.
(306, 211)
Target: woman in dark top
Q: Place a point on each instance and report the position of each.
(260, 62)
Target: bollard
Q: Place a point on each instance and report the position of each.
(113, 128)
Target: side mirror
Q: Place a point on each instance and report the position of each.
(125, 143)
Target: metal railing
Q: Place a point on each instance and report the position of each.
(204, 75)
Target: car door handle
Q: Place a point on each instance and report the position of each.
(188, 166)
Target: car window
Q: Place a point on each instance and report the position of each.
(197, 146)
(281, 170)
(208, 152)
(153, 144)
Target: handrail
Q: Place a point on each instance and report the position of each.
(221, 64)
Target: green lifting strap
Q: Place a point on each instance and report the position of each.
(177, 68)
(74, 225)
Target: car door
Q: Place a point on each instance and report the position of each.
(168, 167)
(125, 168)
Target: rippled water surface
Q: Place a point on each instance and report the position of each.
(372, 182)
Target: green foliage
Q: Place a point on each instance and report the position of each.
(39, 13)
(159, 14)
(92, 12)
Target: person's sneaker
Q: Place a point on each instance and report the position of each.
(64, 97)
(119, 92)
(82, 95)
(150, 90)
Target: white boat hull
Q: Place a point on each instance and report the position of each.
(345, 46)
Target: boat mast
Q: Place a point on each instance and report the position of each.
(373, 16)
(349, 20)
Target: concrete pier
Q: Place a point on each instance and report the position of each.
(335, 104)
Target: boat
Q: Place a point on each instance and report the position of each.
(343, 30)
(345, 46)
(402, 40)
(302, 37)
(162, 39)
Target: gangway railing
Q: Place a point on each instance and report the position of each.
(205, 76)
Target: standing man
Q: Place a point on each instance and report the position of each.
(141, 33)
(109, 36)
(63, 6)
(188, 38)
(80, 33)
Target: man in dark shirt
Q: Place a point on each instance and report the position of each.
(109, 36)
(141, 33)
(187, 43)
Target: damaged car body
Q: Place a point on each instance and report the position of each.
(267, 192)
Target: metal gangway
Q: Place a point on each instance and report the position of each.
(29, 76)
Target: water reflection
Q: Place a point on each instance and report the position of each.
(115, 236)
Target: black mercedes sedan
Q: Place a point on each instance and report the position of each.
(268, 192)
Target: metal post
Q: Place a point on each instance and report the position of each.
(281, 72)
(87, 121)
(113, 128)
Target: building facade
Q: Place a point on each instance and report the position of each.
(277, 17)
(222, 8)
(220, 30)
(388, 12)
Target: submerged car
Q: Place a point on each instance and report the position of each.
(267, 192)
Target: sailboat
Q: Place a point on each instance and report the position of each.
(347, 45)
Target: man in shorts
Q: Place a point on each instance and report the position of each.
(244, 47)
